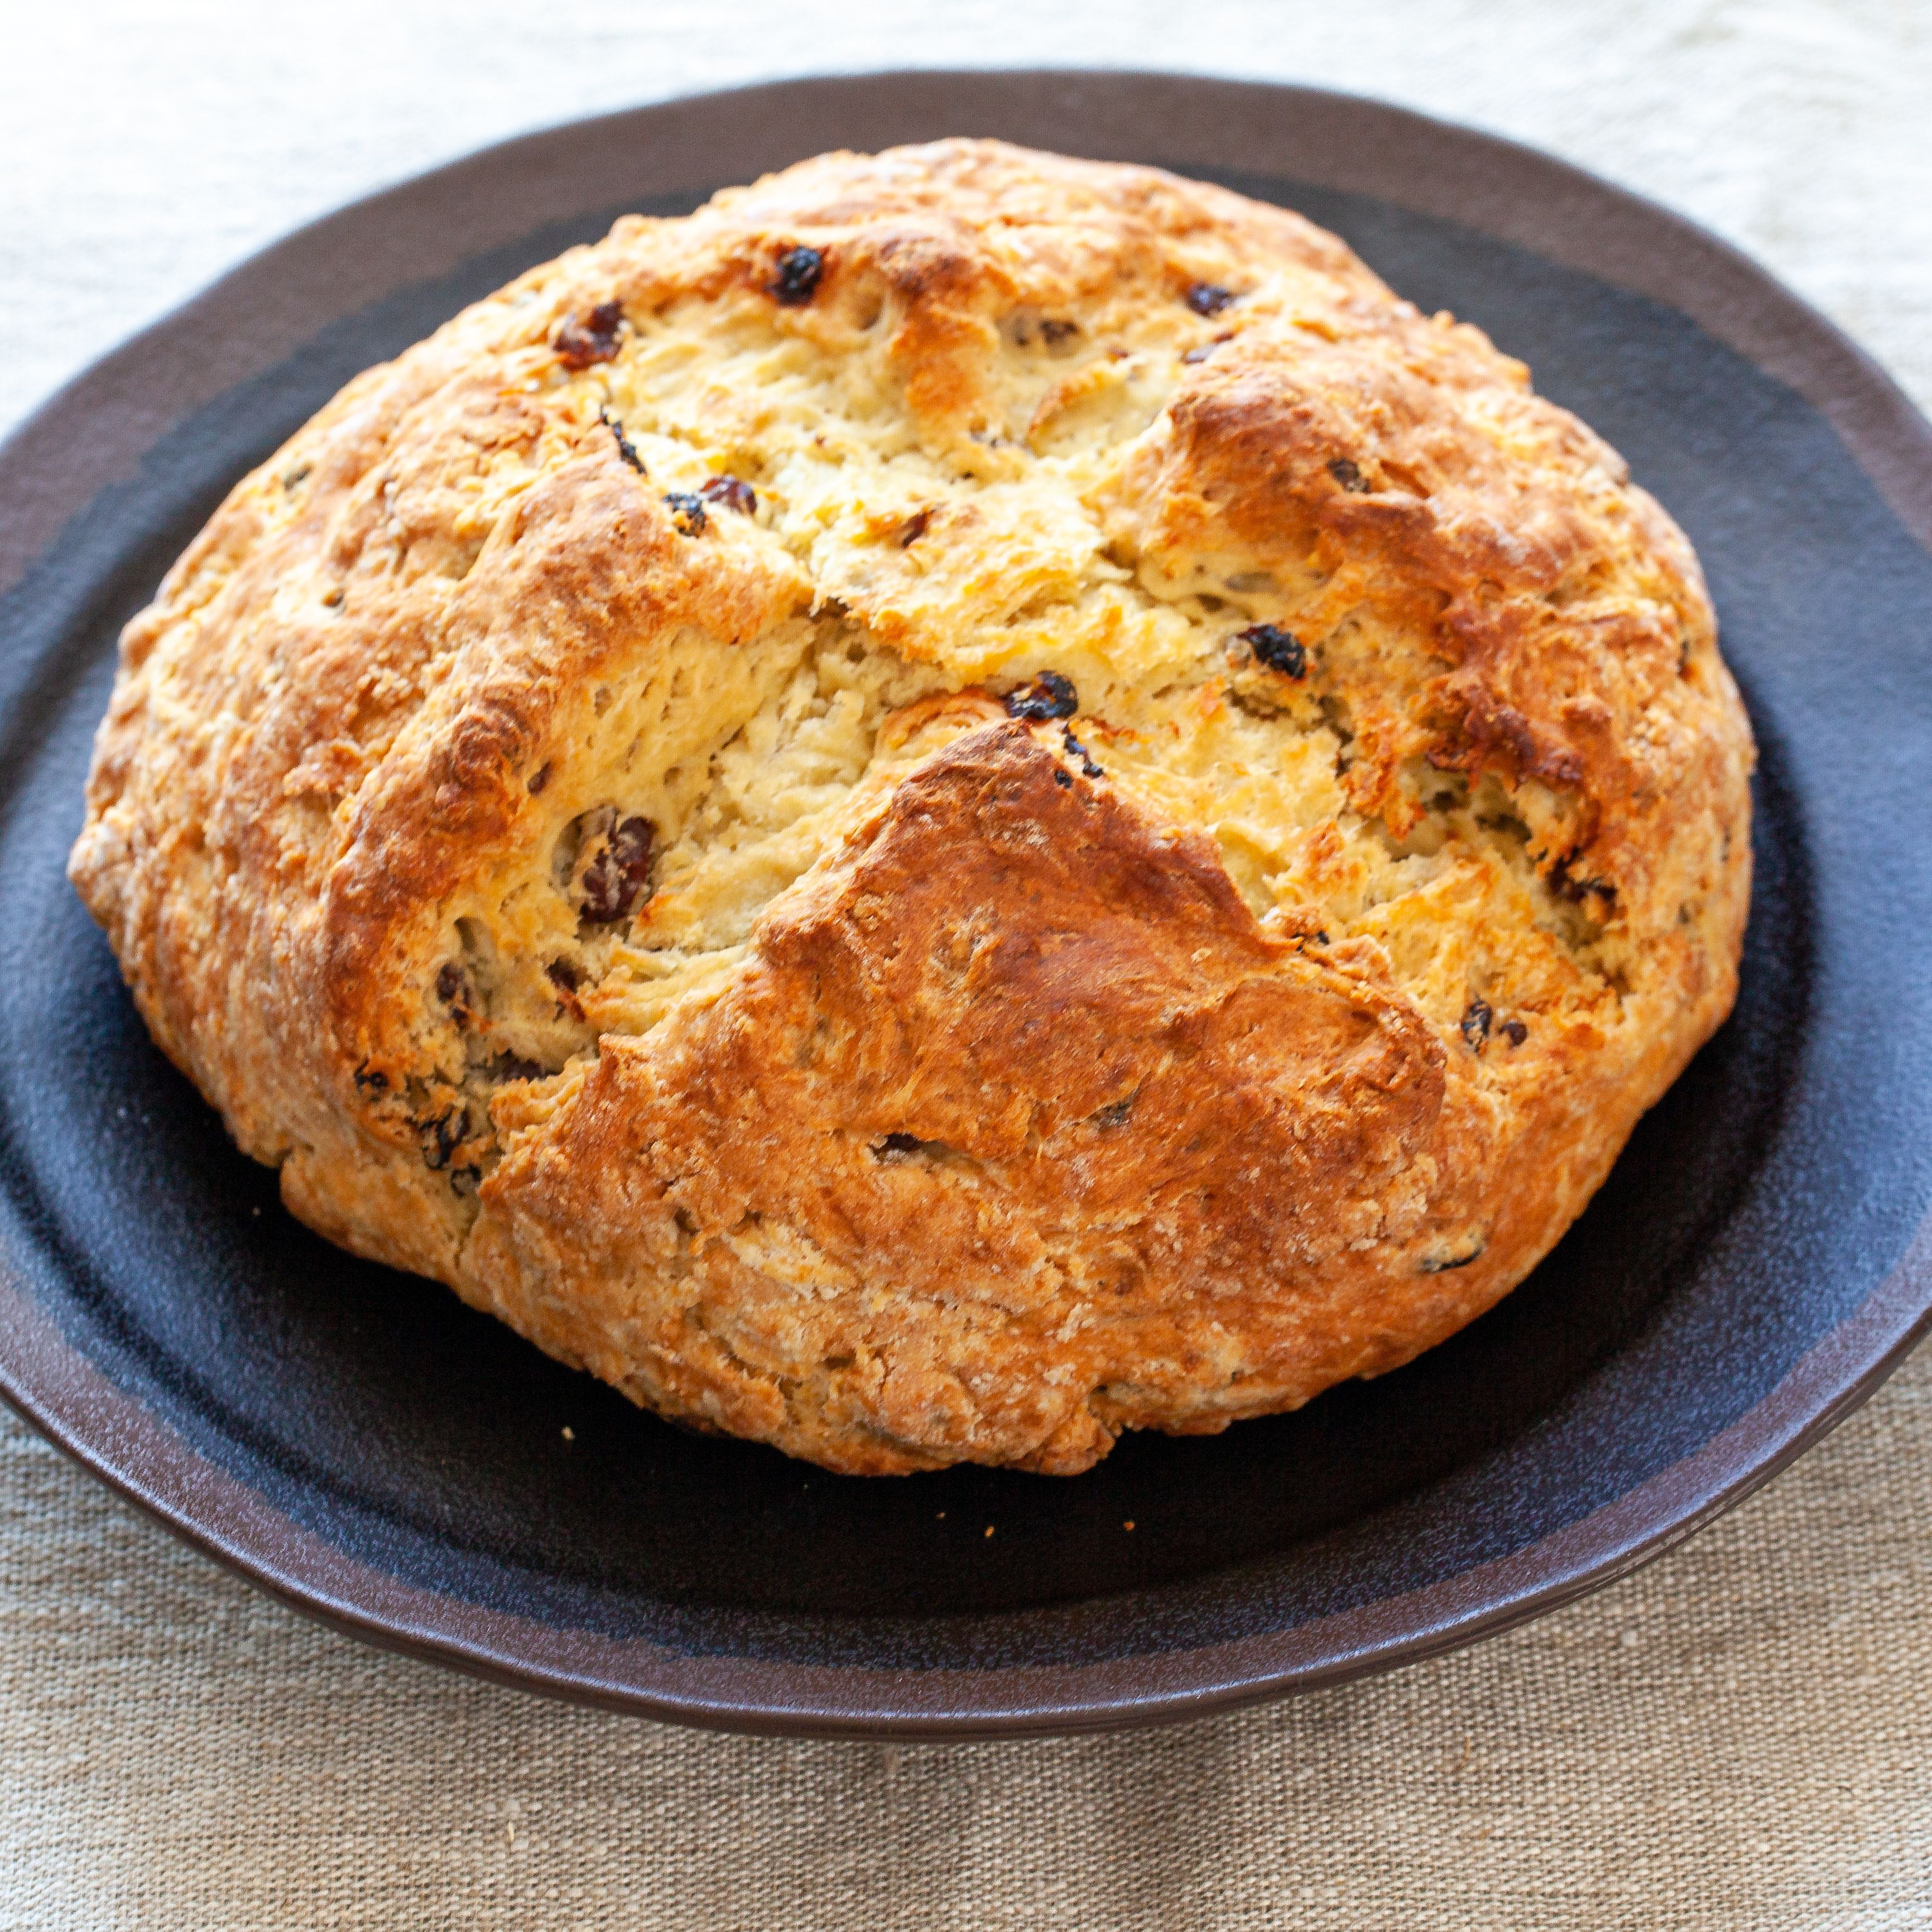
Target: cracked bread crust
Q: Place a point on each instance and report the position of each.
(967, 801)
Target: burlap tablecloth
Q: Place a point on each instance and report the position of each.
(1740, 1736)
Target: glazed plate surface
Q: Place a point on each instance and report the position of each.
(362, 1445)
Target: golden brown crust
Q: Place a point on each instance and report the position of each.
(619, 890)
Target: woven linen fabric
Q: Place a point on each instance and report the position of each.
(1739, 1736)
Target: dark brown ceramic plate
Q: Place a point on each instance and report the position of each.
(362, 1446)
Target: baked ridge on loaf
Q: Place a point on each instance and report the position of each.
(967, 800)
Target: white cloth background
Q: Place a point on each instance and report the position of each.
(1740, 1736)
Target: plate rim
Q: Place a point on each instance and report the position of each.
(218, 1514)
(60, 1391)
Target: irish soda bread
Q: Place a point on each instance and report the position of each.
(968, 801)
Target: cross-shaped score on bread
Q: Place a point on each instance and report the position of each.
(968, 801)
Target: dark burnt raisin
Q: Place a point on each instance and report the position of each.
(1349, 475)
(1577, 890)
(1515, 1032)
(566, 978)
(449, 988)
(1054, 331)
(443, 1136)
(615, 878)
(914, 528)
(1476, 1020)
(799, 271)
(538, 779)
(1113, 1114)
(687, 511)
(1278, 650)
(1049, 695)
(731, 493)
(513, 1066)
(1209, 298)
(1064, 780)
(372, 1080)
(624, 446)
(591, 337)
(1074, 749)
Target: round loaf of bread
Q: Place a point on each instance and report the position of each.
(966, 801)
